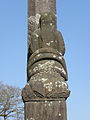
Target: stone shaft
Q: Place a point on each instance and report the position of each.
(46, 110)
(41, 6)
(46, 90)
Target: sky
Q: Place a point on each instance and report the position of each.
(73, 20)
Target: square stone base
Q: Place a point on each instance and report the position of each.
(45, 110)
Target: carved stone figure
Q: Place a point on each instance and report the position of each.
(45, 34)
(50, 36)
(46, 90)
(33, 26)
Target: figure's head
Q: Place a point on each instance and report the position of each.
(48, 19)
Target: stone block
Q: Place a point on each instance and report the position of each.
(45, 110)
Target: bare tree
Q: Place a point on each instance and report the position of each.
(11, 105)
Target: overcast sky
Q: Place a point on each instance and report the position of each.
(73, 18)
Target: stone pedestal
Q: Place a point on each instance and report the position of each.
(46, 91)
(46, 110)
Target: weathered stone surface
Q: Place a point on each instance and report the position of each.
(41, 6)
(46, 90)
(45, 86)
(31, 8)
(47, 54)
(46, 110)
(42, 33)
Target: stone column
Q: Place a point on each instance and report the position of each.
(46, 90)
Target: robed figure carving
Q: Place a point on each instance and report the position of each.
(46, 90)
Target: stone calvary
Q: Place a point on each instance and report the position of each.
(46, 90)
